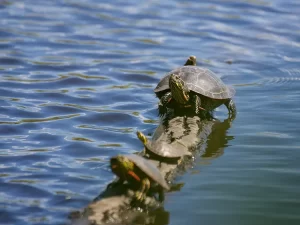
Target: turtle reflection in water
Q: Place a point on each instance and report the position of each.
(195, 87)
(138, 171)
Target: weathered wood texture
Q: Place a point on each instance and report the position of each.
(113, 206)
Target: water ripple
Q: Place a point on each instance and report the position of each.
(77, 79)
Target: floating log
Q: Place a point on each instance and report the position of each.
(114, 205)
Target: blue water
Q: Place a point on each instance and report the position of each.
(77, 80)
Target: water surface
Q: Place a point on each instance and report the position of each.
(77, 81)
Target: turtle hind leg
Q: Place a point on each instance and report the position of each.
(231, 109)
(164, 103)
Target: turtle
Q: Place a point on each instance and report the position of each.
(139, 171)
(162, 149)
(194, 87)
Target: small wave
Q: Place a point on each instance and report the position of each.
(291, 72)
(279, 80)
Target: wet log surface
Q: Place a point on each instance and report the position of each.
(114, 205)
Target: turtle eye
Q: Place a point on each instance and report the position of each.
(114, 166)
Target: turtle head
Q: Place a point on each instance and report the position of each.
(120, 165)
(142, 137)
(178, 89)
(191, 61)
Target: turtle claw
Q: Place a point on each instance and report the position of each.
(231, 117)
(164, 103)
(139, 196)
(231, 109)
(161, 110)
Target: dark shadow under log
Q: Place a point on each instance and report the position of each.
(114, 205)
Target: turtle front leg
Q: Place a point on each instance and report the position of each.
(141, 193)
(200, 111)
(231, 109)
(197, 104)
(163, 103)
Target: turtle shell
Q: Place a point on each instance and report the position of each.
(149, 169)
(165, 150)
(199, 80)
